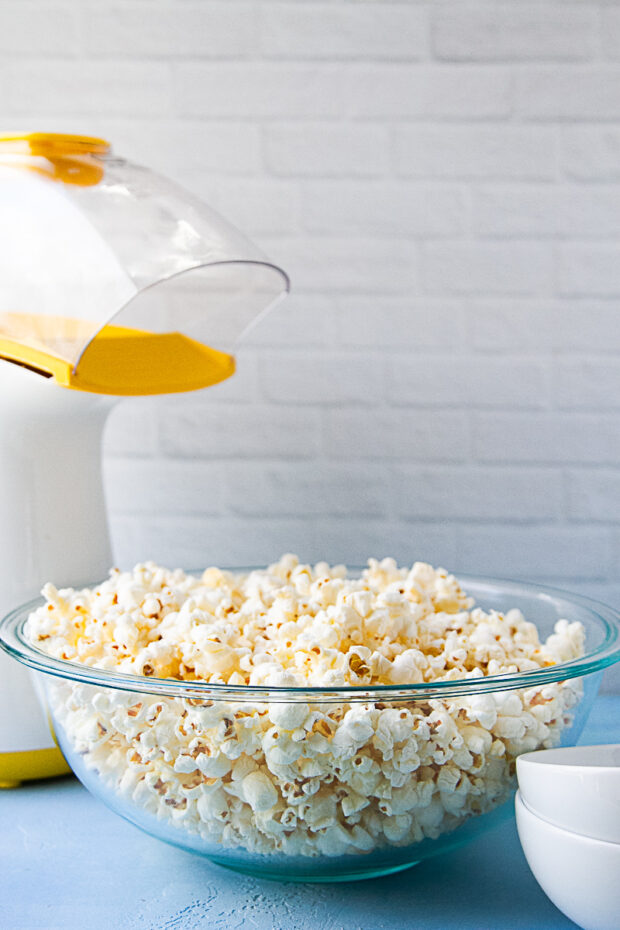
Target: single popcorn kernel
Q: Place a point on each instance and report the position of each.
(259, 792)
(297, 777)
(358, 666)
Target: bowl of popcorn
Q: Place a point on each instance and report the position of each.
(309, 723)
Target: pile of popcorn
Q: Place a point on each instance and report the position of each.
(303, 778)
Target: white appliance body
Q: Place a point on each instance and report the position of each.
(53, 526)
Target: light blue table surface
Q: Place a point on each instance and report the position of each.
(67, 862)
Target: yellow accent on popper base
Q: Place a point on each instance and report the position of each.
(117, 360)
(17, 767)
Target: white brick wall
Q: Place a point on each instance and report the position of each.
(442, 181)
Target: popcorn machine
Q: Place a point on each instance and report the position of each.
(113, 282)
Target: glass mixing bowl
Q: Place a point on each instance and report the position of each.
(269, 782)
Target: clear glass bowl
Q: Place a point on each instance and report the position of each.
(423, 769)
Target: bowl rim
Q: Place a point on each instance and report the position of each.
(560, 759)
(606, 618)
(592, 842)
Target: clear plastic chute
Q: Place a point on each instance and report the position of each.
(115, 280)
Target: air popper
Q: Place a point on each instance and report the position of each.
(114, 282)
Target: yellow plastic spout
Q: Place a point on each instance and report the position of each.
(117, 360)
(132, 362)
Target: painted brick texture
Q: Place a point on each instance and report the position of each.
(442, 182)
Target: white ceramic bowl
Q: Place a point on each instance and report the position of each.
(576, 788)
(580, 875)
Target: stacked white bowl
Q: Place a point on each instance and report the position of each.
(568, 818)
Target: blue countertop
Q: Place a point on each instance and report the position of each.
(68, 862)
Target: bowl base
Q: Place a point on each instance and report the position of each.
(315, 878)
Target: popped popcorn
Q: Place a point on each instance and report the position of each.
(303, 778)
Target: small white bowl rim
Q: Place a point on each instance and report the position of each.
(577, 798)
(614, 848)
(561, 758)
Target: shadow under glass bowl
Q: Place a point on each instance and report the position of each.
(267, 781)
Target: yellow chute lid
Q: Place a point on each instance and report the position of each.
(58, 156)
(59, 143)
